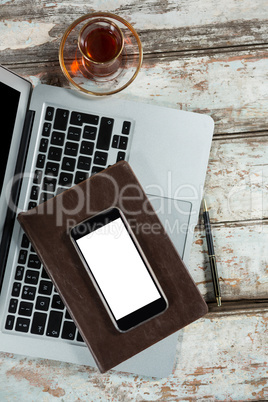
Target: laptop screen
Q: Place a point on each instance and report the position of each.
(8, 112)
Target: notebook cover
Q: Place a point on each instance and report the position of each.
(47, 227)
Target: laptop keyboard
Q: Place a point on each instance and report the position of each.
(73, 146)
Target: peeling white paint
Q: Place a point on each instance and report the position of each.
(23, 34)
(191, 13)
(153, 14)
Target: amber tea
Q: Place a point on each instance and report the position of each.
(101, 44)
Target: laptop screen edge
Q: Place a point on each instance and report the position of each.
(15, 157)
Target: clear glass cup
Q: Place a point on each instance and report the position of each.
(94, 78)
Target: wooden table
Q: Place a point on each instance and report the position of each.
(204, 56)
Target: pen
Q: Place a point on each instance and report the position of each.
(211, 255)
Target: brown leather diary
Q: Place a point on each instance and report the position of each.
(48, 226)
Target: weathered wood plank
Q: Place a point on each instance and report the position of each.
(221, 359)
(242, 260)
(236, 187)
(32, 30)
(228, 86)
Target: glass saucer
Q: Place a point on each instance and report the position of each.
(73, 67)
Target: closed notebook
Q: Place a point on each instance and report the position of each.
(48, 228)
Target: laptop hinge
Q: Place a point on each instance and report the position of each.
(15, 191)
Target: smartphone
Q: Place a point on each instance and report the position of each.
(118, 268)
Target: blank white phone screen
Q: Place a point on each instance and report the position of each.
(118, 268)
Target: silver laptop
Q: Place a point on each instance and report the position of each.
(55, 138)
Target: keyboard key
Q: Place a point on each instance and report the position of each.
(38, 323)
(49, 113)
(57, 138)
(45, 196)
(16, 289)
(32, 205)
(68, 164)
(57, 303)
(90, 132)
(40, 161)
(42, 303)
(126, 127)
(26, 309)
(44, 274)
(46, 129)
(54, 324)
(61, 119)
(80, 176)
(43, 145)
(78, 119)
(28, 293)
(19, 273)
(96, 169)
(74, 133)
(25, 241)
(87, 148)
(13, 304)
(123, 143)
(52, 169)
(67, 315)
(84, 163)
(22, 324)
(79, 338)
(33, 261)
(10, 322)
(60, 190)
(45, 288)
(37, 176)
(71, 148)
(121, 156)
(34, 192)
(66, 179)
(22, 256)
(69, 330)
(100, 158)
(31, 277)
(49, 184)
(115, 141)
(54, 154)
(105, 133)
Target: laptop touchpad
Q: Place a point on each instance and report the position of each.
(174, 216)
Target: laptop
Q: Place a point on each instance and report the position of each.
(54, 139)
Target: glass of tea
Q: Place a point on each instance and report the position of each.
(101, 44)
